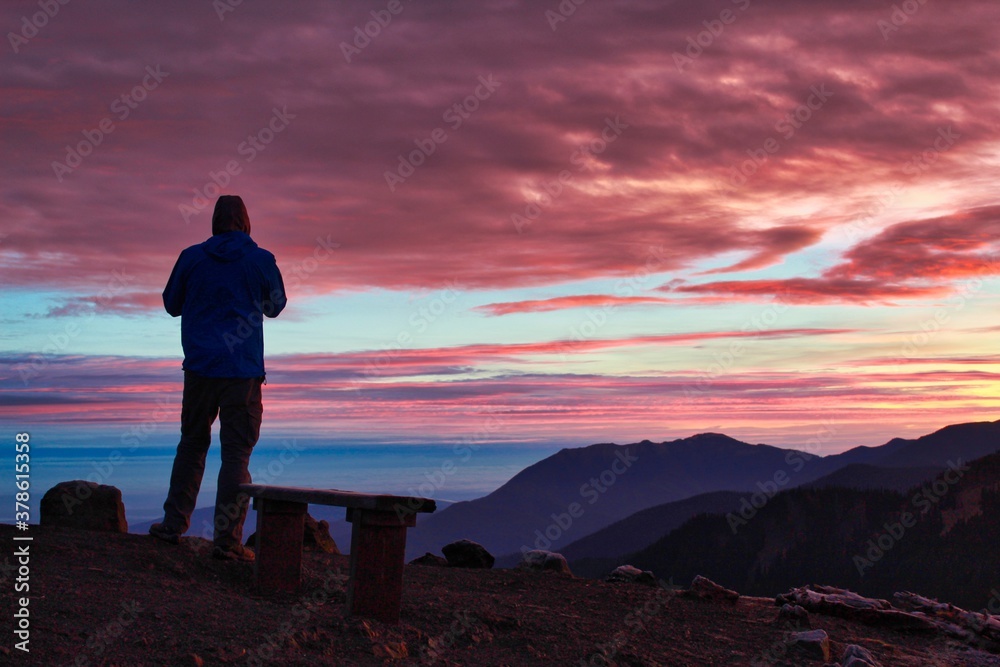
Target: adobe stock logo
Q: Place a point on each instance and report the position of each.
(592, 490)
(899, 17)
(584, 157)
(31, 26)
(893, 532)
(714, 28)
(372, 29)
(249, 149)
(456, 115)
(786, 127)
(122, 108)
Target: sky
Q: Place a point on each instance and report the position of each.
(513, 222)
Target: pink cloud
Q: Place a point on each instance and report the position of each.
(655, 198)
(305, 393)
(952, 247)
(563, 302)
(324, 175)
(909, 260)
(817, 290)
(987, 360)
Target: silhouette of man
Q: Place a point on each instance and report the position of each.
(222, 289)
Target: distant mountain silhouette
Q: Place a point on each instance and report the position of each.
(654, 488)
(970, 441)
(599, 553)
(533, 508)
(939, 537)
(628, 535)
(863, 476)
(603, 483)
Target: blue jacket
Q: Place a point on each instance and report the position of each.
(222, 288)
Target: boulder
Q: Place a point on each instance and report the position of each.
(978, 628)
(702, 587)
(926, 615)
(541, 560)
(858, 656)
(632, 575)
(317, 536)
(795, 615)
(86, 505)
(814, 644)
(466, 553)
(430, 559)
(847, 604)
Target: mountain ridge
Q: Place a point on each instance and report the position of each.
(598, 553)
(506, 523)
(869, 541)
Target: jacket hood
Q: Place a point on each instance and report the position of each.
(229, 246)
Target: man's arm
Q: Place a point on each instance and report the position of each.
(173, 293)
(275, 291)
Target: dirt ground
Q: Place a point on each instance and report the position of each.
(118, 599)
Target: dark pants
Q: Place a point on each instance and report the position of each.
(237, 403)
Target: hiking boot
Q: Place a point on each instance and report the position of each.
(158, 530)
(235, 552)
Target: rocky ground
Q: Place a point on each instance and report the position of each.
(119, 599)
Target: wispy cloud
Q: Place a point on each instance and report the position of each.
(563, 302)
(909, 260)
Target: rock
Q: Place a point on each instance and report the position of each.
(431, 560)
(794, 614)
(812, 595)
(704, 588)
(364, 628)
(914, 602)
(630, 574)
(976, 628)
(391, 650)
(854, 607)
(315, 537)
(858, 656)
(812, 643)
(539, 559)
(86, 505)
(466, 553)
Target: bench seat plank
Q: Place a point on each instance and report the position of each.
(378, 542)
(335, 497)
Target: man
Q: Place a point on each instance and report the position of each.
(221, 289)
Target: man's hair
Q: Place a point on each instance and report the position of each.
(230, 215)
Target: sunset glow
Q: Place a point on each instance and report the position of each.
(497, 224)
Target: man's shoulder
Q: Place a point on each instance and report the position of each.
(259, 253)
(192, 253)
(196, 248)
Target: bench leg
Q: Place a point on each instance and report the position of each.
(378, 546)
(280, 524)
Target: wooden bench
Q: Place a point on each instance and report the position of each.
(378, 542)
